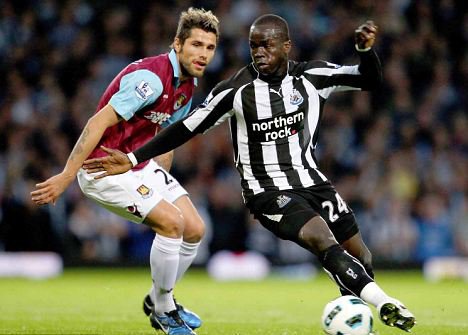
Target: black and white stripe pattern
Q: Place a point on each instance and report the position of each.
(275, 122)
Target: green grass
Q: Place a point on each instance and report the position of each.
(108, 301)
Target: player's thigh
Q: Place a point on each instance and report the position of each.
(194, 225)
(166, 184)
(128, 195)
(282, 212)
(171, 190)
(334, 210)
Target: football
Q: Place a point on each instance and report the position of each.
(347, 315)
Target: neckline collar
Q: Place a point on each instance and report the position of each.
(268, 79)
(175, 68)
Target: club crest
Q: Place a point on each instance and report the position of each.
(282, 200)
(296, 98)
(179, 102)
(145, 191)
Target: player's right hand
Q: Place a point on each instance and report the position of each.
(48, 191)
(116, 162)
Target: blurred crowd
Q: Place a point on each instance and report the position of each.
(397, 155)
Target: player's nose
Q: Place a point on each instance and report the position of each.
(203, 54)
(259, 53)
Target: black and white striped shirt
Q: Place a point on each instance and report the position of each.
(275, 122)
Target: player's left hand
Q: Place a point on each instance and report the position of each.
(115, 163)
(49, 191)
(365, 35)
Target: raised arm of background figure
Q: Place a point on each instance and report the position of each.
(117, 162)
(49, 190)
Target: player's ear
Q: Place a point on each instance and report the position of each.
(287, 46)
(177, 46)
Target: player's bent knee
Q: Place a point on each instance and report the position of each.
(314, 243)
(166, 220)
(174, 224)
(316, 236)
(194, 226)
(194, 229)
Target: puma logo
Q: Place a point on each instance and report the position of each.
(164, 291)
(277, 92)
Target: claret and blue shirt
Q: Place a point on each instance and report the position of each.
(148, 95)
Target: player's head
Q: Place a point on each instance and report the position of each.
(195, 41)
(270, 44)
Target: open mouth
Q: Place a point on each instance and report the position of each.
(199, 65)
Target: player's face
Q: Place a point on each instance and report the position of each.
(195, 53)
(268, 50)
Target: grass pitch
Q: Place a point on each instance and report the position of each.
(108, 301)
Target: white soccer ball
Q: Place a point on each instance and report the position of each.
(347, 315)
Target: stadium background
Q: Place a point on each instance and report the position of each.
(398, 155)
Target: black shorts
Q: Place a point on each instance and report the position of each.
(285, 212)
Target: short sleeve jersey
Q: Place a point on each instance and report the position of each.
(148, 96)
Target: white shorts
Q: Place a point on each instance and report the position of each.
(132, 195)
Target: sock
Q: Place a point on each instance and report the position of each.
(369, 271)
(164, 260)
(344, 269)
(373, 294)
(188, 252)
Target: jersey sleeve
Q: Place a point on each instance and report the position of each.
(217, 107)
(137, 90)
(328, 77)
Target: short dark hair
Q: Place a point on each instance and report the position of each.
(276, 21)
(196, 18)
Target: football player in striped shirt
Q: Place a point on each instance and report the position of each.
(143, 98)
(274, 106)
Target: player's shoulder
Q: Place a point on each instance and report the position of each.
(235, 81)
(157, 64)
(298, 68)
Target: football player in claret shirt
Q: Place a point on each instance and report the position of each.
(275, 106)
(144, 97)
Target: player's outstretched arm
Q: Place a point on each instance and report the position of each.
(116, 162)
(49, 190)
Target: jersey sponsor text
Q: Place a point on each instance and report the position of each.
(277, 127)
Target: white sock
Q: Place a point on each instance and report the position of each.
(164, 260)
(188, 252)
(373, 294)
